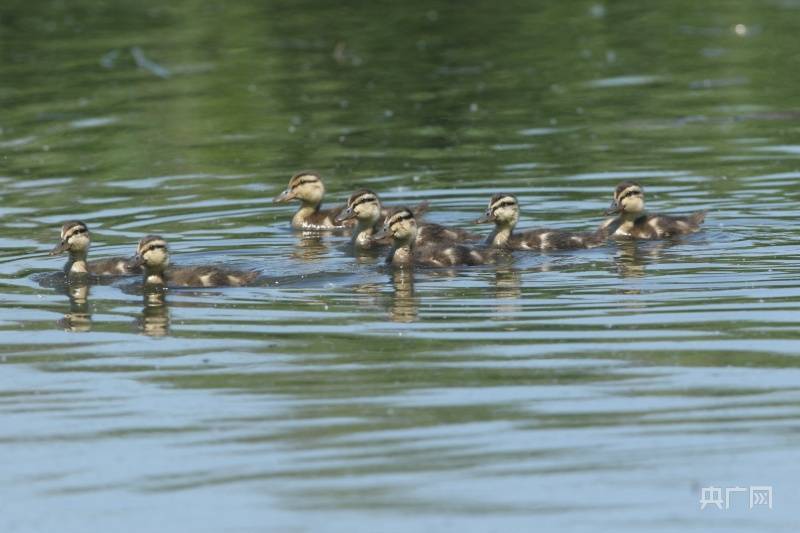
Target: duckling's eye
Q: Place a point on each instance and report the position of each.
(155, 247)
(77, 232)
(303, 182)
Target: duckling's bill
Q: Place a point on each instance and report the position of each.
(60, 248)
(613, 209)
(345, 215)
(285, 196)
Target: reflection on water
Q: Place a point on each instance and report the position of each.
(404, 305)
(310, 246)
(630, 260)
(507, 291)
(154, 321)
(79, 317)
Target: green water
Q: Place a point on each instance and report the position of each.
(597, 390)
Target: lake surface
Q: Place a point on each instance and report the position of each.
(597, 390)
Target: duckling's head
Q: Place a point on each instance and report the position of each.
(401, 225)
(363, 205)
(503, 210)
(628, 199)
(74, 238)
(152, 253)
(304, 186)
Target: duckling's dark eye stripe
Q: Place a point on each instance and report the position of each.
(77, 231)
(630, 193)
(155, 247)
(400, 218)
(303, 182)
(363, 200)
(507, 203)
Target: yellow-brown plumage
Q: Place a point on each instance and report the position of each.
(402, 227)
(633, 221)
(364, 206)
(503, 210)
(153, 256)
(76, 239)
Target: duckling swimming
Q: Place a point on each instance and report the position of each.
(503, 210)
(365, 207)
(152, 254)
(75, 239)
(402, 227)
(633, 221)
(307, 187)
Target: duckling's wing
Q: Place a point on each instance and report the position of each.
(238, 279)
(665, 225)
(437, 234)
(113, 266)
(528, 240)
(569, 240)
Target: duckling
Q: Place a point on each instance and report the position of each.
(307, 187)
(503, 210)
(152, 254)
(402, 227)
(75, 239)
(633, 221)
(365, 206)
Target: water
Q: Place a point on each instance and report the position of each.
(584, 391)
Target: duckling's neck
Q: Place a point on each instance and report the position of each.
(77, 263)
(307, 209)
(362, 236)
(500, 235)
(402, 252)
(154, 276)
(625, 222)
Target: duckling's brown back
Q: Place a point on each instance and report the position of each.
(112, 266)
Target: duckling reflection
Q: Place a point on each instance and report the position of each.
(79, 317)
(632, 257)
(405, 304)
(310, 247)
(629, 262)
(154, 321)
(507, 286)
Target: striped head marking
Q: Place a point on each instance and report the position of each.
(400, 224)
(628, 199)
(304, 186)
(363, 205)
(503, 210)
(74, 238)
(152, 252)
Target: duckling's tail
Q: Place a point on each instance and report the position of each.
(421, 208)
(695, 219)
